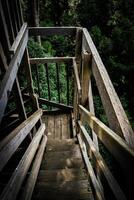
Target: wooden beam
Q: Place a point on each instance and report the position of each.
(50, 60)
(114, 143)
(49, 31)
(119, 195)
(117, 118)
(9, 145)
(54, 104)
(98, 191)
(9, 78)
(12, 188)
(18, 39)
(29, 187)
(78, 43)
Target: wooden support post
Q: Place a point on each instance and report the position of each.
(86, 73)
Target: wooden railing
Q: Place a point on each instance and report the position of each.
(118, 138)
(35, 150)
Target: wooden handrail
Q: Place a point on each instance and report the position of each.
(102, 165)
(117, 118)
(114, 143)
(9, 145)
(50, 60)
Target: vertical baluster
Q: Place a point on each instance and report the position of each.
(48, 84)
(67, 79)
(37, 79)
(58, 81)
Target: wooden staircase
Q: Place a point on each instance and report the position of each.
(62, 174)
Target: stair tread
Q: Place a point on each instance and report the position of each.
(62, 175)
(76, 188)
(62, 163)
(60, 145)
(73, 152)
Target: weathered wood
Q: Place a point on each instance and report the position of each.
(12, 188)
(11, 73)
(98, 192)
(116, 115)
(50, 60)
(86, 73)
(29, 187)
(54, 104)
(115, 144)
(9, 145)
(78, 44)
(77, 78)
(49, 31)
(18, 39)
(103, 167)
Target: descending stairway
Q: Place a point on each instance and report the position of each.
(62, 174)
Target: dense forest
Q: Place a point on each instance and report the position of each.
(111, 25)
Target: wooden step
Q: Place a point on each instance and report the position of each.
(62, 163)
(73, 153)
(51, 190)
(60, 145)
(62, 175)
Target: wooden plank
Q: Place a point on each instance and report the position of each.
(12, 188)
(114, 143)
(103, 167)
(98, 191)
(51, 129)
(9, 145)
(50, 60)
(18, 39)
(49, 31)
(64, 126)
(75, 67)
(29, 187)
(57, 105)
(57, 123)
(117, 118)
(9, 78)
